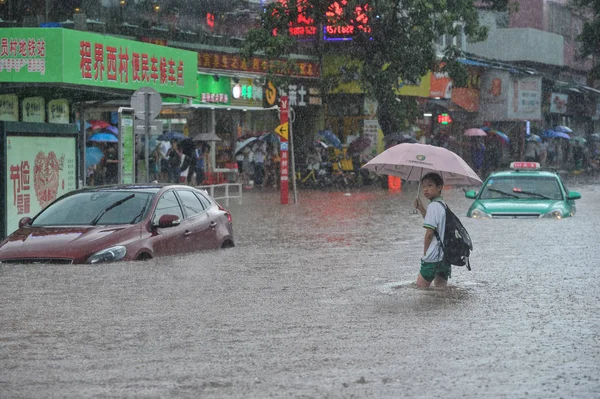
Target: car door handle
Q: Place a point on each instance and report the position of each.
(187, 233)
(212, 225)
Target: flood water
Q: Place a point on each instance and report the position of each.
(318, 300)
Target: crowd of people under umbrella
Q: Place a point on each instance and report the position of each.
(176, 158)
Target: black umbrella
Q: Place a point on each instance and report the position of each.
(358, 145)
(187, 146)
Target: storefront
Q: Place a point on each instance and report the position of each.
(231, 102)
(50, 75)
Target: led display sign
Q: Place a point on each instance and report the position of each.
(444, 119)
(336, 27)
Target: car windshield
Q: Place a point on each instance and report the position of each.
(522, 187)
(96, 207)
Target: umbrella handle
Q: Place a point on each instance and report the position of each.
(415, 211)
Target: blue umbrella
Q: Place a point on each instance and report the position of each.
(168, 136)
(93, 155)
(270, 138)
(330, 138)
(551, 134)
(104, 138)
(534, 137)
(498, 133)
(562, 129)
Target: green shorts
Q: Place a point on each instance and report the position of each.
(430, 270)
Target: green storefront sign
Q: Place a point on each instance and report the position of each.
(210, 91)
(55, 55)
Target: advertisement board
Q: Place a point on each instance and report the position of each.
(38, 170)
(84, 58)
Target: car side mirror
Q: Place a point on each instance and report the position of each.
(24, 221)
(168, 221)
(573, 195)
(472, 194)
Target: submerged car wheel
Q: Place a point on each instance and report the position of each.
(144, 256)
(227, 244)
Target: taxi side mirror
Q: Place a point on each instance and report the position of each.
(573, 195)
(472, 194)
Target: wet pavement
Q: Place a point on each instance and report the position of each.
(318, 300)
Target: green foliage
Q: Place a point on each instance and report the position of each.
(590, 35)
(399, 46)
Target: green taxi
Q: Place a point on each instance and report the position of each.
(524, 191)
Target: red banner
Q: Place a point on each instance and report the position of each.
(284, 165)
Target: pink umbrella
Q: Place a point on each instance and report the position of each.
(412, 161)
(475, 132)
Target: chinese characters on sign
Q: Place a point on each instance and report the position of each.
(39, 170)
(9, 107)
(16, 53)
(99, 63)
(19, 175)
(234, 62)
(218, 98)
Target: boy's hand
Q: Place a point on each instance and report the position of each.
(419, 206)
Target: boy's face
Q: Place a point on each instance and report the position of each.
(430, 190)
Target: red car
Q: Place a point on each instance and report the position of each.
(126, 222)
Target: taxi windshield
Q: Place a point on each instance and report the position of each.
(522, 187)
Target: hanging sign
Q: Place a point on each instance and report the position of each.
(34, 109)
(9, 107)
(58, 111)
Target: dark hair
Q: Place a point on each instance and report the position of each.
(434, 177)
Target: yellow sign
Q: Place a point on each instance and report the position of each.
(283, 129)
(270, 94)
(421, 89)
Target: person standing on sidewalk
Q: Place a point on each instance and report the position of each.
(260, 152)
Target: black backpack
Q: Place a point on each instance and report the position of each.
(457, 245)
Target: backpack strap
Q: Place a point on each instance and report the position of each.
(437, 235)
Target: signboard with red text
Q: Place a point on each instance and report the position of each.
(284, 149)
(84, 58)
(338, 25)
(39, 170)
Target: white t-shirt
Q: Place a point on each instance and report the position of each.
(435, 219)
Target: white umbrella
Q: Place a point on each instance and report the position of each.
(410, 161)
(241, 144)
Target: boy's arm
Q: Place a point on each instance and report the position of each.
(428, 238)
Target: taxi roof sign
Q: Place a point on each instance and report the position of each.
(525, 165)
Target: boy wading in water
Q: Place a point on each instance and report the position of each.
(433, 267)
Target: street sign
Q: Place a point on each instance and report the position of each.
(138, 102)
(156, 128)
(283, 130)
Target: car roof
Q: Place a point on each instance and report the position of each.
(149, 188)
(513, 173)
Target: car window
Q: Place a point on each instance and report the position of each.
(167, 205)
(95, 207)
(523, 187)
(191, 204)
(205, 201)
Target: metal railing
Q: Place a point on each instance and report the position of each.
(222, 191)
